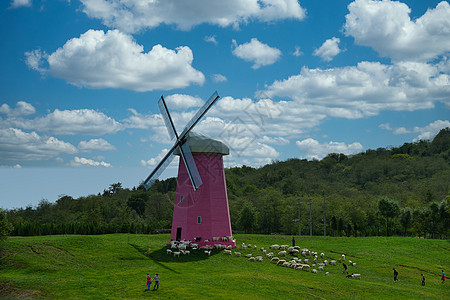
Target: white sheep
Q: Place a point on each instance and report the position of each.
(259, 258)
(343, 256)
(243, 245)
(229, 247)
(322, 254)
(314, 271)
(282, 253)
(248, 255)
(284, 247)
(349, 262)
(275, 247)
(306, 260)
(274, 260)
(327, 273)
(333, 262)
(325, 262)
(169, 251)
(176, 253)
(356, 276)
(208, 252)
(237, 253)
(281, 262)
(269, 255)
(227, 252)
(354, 264)
(305, 267)
(249, 245)
(187, 252)
(321, 268)
(251, 259)
(303, 253)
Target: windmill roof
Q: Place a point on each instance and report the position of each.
(202, 144)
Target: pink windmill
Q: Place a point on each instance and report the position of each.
(201, 212)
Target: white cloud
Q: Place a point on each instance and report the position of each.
(425, 133)
(211, 39)
(114, 60)
(22, 109)
(258, 53)
(219, 78)
(297, 51)
(20, 3)
(387, 27)
(136, 15)
(312, 149)
(385, 126)
(85, 162)
(70, 122)
(16, 144)
(329, 49)
(365, 89)
(180, 101)
(95, 145)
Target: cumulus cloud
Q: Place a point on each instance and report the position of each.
(387, 27)
(425, 133)
(134, 15)
(297, 51)
(180, 101)
(329, 49)
(219, 78)
(16, 144)
(22, 109)
(259, 53)
(114, 60)
(85, 162)
(68, 122)
(95, 145)
(312, 149)
(211, 39)
(366, 89)
(20, 3)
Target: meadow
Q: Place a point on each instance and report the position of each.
(115, 266)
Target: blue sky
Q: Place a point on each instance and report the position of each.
(80, 81)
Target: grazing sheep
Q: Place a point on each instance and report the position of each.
(208, 252)
(280, 262)
(305, 267)
(243, 245)
(333, 262)
(297, 248)
(356, 276)
(293, 252)
(322, 254)
(299, 267)
(169, 251)
(254, 246)
(229, 247)
(227, 252)
(313, 265)
(343, 256)
(315, 259)
(249, 245)
(327, 273)
(194, 246)
(269, 255)
(286, 264)
(306, 260)
(187, 252)
(251, 259)
(237, 253)
(274, 260)
(264, 251)
(303, 253)
(350, 262)
(325, 262)
(314, 271)
(354, 264)
(259, 258)
(275, 247)
(282, 253)
(284, 247)
(321, 268)
(248, 255)
(176, 253)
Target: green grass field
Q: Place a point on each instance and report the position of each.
(115, 267)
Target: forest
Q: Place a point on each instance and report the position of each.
(402, 191)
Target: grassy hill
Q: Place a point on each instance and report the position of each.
(115, 266)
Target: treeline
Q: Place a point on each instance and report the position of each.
(388, 191)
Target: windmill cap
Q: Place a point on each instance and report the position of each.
(202, 144)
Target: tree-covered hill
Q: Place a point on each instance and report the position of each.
(404, 189)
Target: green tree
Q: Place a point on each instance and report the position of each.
(247, 217)
(405, 219)
(5, 226)
(389, 209)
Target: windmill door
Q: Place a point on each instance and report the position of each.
(178, 233)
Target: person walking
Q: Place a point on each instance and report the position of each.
(345, 267)
(293, 241)
(395, 274)
(149, 281)
(156, 286)
(443, 276)
(423, 279)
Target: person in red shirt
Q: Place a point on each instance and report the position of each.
(149, 281)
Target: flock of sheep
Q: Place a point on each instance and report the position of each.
(289, 257)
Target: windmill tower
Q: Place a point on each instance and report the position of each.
(201, 212)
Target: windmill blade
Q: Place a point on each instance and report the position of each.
(160, 168)
(167, 119)
(200, 113)
(191, 168)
